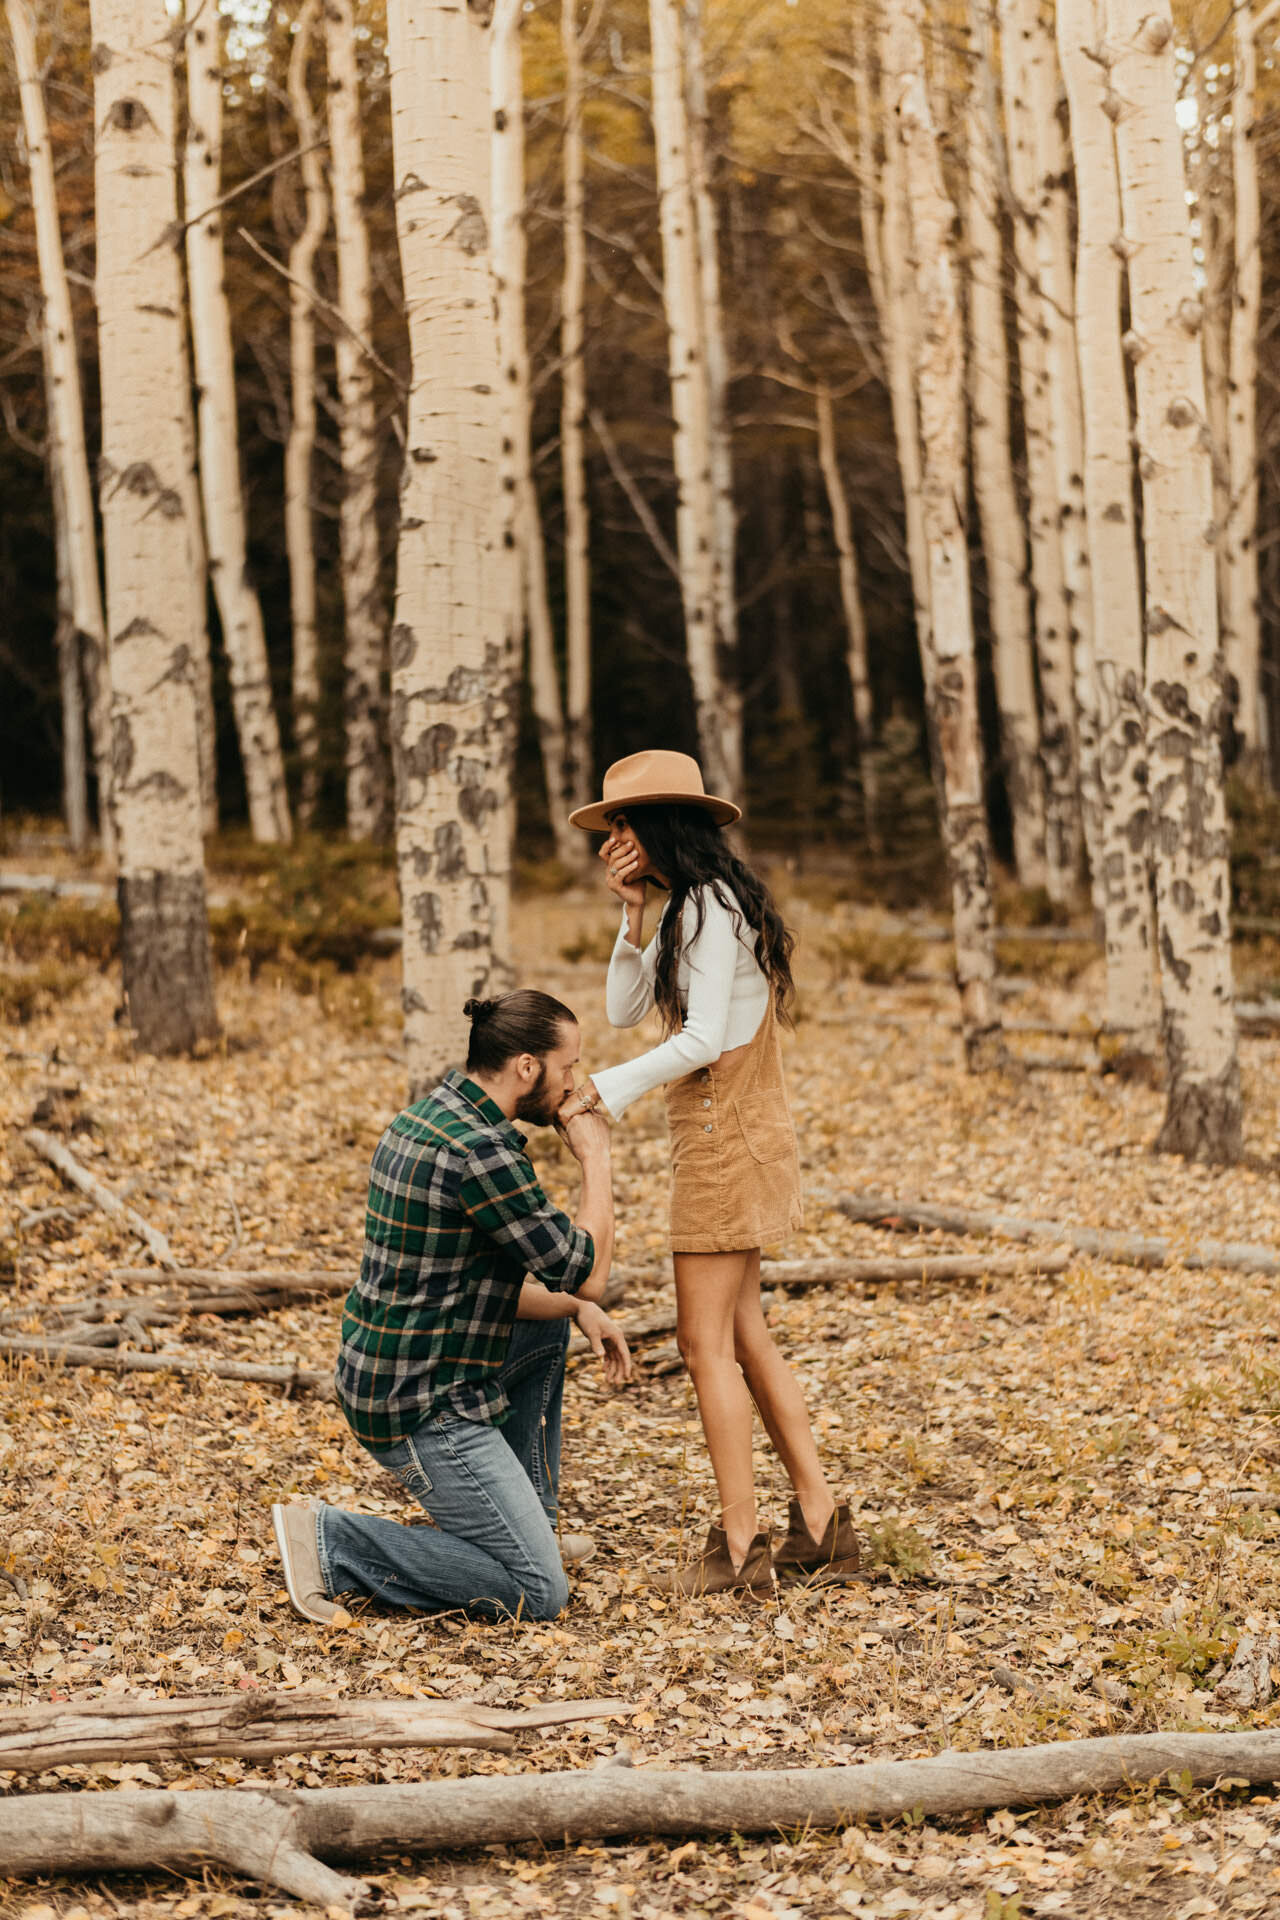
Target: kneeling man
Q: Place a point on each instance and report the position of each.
(452, 1361)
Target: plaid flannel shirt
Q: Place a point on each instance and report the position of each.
(456, 1218)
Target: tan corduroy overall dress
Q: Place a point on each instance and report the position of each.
(735, 1170)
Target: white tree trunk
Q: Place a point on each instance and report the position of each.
(300, 447)
(1133, 989)
(156, 787)
(953, 692)
(453, 658)
(1183, 668)
(1213, 204)
(719, 436)
(198, 590)
(884, 242)
(579, 753)
(69, 464)
(1022, 47)
(1242, 640)
(66, 641)
(717, 700)
(1003, 536)
(365, 621)
(525, 514)
(855, 623)
(238, 609)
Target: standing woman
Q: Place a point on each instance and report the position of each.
(718, 969)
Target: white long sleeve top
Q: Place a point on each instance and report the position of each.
(722, 989)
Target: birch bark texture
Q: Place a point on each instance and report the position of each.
(453, 661)
(855, 620)
(66, 643)
(1183, 666)
(364, 614)
(716, 697)
(168, 977)
(218, 433)
(579, 750)
(532, 609)
(1004, 543)
(1242, 638)
(1124, 867)
(952, 685)
(1021, 46)
(68, 459)
(300, 446)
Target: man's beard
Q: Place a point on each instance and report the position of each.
(538, 1106)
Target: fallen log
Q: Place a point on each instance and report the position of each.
(284, 1837)
(1125, 1249)
(258, 1279)
(70, 1168)
(118, 1360)
(261, 1726)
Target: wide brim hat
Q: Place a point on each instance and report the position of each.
(643, 779)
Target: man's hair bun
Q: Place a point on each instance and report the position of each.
(479, 1009)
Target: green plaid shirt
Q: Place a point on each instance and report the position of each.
(456, 1219)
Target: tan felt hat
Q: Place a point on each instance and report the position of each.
(656, 775)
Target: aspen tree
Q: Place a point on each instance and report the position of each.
(713, 338)
(198, 590)
(1022, 46)
(453, 661)
(716, 697)
(300, 446)
(1242, 637)
(168, 979)
(1212, 203)
(66, 645)
(218, 433)
(364, 614)
(855, 622)
(532, 608)
(1003, 537)
(579, 755)
(952, 681)
(1183, 666)
(68, 460)
(1133, 990)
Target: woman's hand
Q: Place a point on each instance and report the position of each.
(620, 861)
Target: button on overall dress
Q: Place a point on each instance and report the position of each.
(735, 1169)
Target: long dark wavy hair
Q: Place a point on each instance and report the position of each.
(690, 850)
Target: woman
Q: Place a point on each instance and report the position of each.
(719, 971)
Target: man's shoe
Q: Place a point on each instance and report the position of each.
(575, 1548)
(295, 1531)
(820, 1563)
(716, 1573)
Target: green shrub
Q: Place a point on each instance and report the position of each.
(875, 956)
(25, 995)
(45, 927)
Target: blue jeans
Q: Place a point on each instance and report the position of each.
(490, 1490)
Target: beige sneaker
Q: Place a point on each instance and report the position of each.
(295, 1531)
(575, 1548)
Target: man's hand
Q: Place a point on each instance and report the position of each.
(587, 1134)
(606, 1342)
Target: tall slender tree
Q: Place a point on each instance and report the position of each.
(579, 754)
(1183, 667)
(717, 699)
(218, 432)
(1133, 988)
(300, 446)
(1004, 542)
(365, 620)
(168, 979)
(952, 681)
(525, 517)
(453, 657)
(68, 460)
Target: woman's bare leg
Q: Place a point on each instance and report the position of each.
(777, 1394)
(708, 1286)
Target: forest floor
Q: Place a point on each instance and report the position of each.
(1070, 1484)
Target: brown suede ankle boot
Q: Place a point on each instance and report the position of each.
(714, 1572)
(837, 1556)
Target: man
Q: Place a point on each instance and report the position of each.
(452, 1361)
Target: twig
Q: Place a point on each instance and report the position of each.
(643, 511)
(318, 300)
(69, 1167)
(113, 1360)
